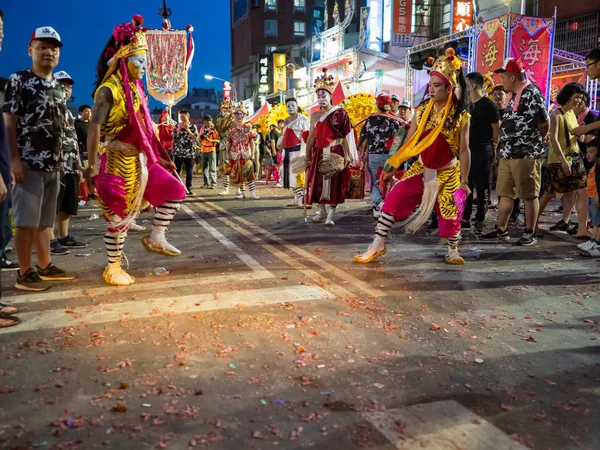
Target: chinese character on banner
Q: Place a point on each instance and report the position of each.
(531, 41)
(490, 39)
(263, 80)
(279, 69)
(227, 90)
(402, 22)
(462, 15)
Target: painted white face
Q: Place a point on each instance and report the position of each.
(137, 65)
(323, 98)
(292, 108)
(238, 115)
(225, 113)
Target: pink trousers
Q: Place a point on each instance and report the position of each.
(404, 198)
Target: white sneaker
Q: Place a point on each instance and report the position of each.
(279, 185)
(329, 222)
(453, 257)
(593, 252)
(319, 217)
(254, 195)
(586, 245)
(224, 192)
(240, 194)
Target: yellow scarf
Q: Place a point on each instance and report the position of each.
(413, 147)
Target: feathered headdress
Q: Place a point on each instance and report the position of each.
(324, 82)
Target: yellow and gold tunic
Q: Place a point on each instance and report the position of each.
(122, 158)
(448, 179)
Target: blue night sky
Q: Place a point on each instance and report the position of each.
(85, 27)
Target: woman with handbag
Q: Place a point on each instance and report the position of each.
(565, 171)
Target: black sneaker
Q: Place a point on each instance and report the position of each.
(70, 242)
(561, 225)
(465, 224)
(528, 238)
(31, 281)
(8, 265)
(478, 228)
(496, 234)
(572, 229)
(57, 249)
(53, 273)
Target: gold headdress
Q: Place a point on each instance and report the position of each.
(239, 106)
(448, 66)
(226, 105)
(130, 39)
(488, 84)
(324, 82)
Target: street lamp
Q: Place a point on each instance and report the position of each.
(210, 77)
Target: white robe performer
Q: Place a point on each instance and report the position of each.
(294, 146)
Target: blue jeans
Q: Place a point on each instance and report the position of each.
(375, 163)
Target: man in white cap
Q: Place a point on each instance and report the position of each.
(35, 113)
(404, 110)
(68, 197)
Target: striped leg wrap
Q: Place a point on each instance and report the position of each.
(453, 241)
(251, 186)
(114, 243)
(164, 214)
(299, 194)
(384, 224)
(226, 182)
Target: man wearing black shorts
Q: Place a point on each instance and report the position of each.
(68, 196)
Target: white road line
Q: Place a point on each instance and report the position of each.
(142, 285)
(114, 312)
(440, 426)
(244, 257)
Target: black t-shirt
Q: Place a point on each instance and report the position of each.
(275, 134)
(81, 128)
(483, 114)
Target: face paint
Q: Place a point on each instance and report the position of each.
(137, 65)
(239, 116)
(292, 108)
(225, 113)
(323, 98)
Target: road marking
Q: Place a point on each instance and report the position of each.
(244, 257)
(293, 263)
(361, 285)
(142, 285)
(441, 425)
(114, 312)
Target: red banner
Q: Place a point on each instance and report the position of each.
(491, 46)
(532, 41)
(558, 81)
(227, 91)
(462, 15)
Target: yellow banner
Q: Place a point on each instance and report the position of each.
(279, 69)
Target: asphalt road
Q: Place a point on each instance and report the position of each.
(266, 334)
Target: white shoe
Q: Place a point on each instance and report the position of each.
(156, 242)
(115, 275)
(135, 228)
(279, 185)
(254, 195)
(329, 222)
(593, 252)
(224, 192)
(586, 245)
(240, 194)
(319, 217)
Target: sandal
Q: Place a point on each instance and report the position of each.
(7, 321)
(7, 310)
